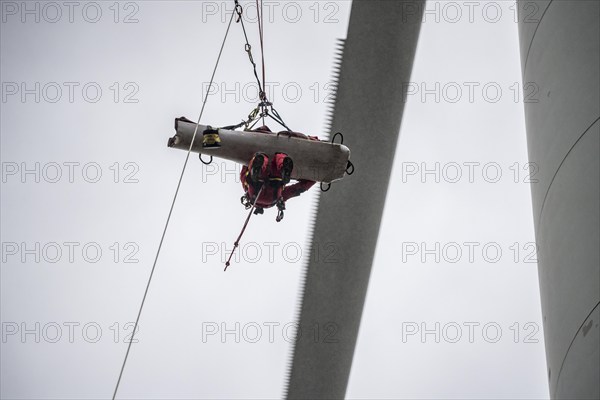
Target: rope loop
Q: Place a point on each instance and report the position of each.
(239, 11)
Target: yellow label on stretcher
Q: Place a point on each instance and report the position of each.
(211, 138)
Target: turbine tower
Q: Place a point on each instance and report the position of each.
(560, 57)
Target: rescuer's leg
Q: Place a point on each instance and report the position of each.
(296, 189)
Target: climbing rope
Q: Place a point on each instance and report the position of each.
(171, 211)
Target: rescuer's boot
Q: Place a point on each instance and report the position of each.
(256, 167)
(286, 170)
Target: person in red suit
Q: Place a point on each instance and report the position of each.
(273, 176)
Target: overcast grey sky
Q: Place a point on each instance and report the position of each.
(453, 306)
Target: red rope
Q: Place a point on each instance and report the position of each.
(237, 241)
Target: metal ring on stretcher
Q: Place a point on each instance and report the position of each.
(349, 168)
(334, 136)
(204, 162)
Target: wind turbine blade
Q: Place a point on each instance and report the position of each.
(376, 63)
